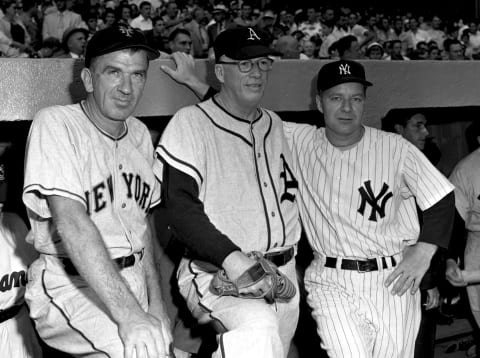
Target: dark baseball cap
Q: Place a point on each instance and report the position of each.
(116, 38)
(243, 43)
(70, 31)
(343, 71)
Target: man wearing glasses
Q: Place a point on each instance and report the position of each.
(229, 191)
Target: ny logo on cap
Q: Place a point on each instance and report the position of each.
(127, 31)
(253, 35)
(344, 69)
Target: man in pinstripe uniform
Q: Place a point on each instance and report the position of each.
(229, 190)
(358, 188)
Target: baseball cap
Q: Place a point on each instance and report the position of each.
(373, 44)
(343, 71)
(243, 43)
(116, 38)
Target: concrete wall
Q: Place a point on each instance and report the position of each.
(27, 85)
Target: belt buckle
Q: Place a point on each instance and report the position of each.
(367, 267)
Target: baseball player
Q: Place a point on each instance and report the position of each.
(358, 188)
(467, 201)
(18, 337)
(230, 191)
(89, 183)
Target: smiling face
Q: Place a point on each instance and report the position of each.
(342, 107)
(114, 83)
(245, 88)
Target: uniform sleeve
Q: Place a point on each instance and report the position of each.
(189, 221)
(52, 163)
(423, 180)
(181, 144)
(463, 192)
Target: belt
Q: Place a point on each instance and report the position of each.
(9, 313)
(122, 262)
(359, 265)
(280, 258)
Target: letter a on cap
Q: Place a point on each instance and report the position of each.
(344, 69)
(253, 35)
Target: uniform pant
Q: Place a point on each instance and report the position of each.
(247, 327)
(18, 338)
(472, 263)
(67, 313)
(357, 317)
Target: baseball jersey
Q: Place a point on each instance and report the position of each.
(361, 202)
(242, 171)
(70, 156)
(466, 178)
(15, 256)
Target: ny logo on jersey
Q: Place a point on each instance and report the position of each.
(289, 181)
(344, 69)
(253, 35)
(369, 197)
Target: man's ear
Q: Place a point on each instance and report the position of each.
(86, 76)
(318, 100)
(219, 73)
(398, 128)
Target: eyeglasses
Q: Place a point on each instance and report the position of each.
(264, 64)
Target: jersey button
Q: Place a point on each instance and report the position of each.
(124, 206)
(273, 214)
(259, 155)
(265, 184)
(120, 167)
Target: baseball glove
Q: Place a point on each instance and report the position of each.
(262, 280)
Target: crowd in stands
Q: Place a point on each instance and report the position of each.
(61, 28)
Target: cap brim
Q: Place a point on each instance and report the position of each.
(346, 79)
(250, 52)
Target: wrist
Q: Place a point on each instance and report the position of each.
(427, 249)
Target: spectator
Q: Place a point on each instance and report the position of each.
(363, 35)
(198, 33)
(384, 31)
(27, 15)
(329, 39)
(93, 24)
(454, 50)
(221, 23)
(415, 35)
(74, 42)
(156, 37)
(50, 48)
(308, 49)
(287, 20)
(341, 27)
(348, 48)
(109, 18)
(245, 18)
(436, 33)
(143, 21)
(134, 11)
(312, 27)
(328, 15)
(289, 48)
(55, 23)
(434, 54)
(124, 15)
(396, 51)
(374, 51)
(180, 40)
(173, 18)
(14, 39)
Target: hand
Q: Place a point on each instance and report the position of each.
(185, 74)
(454, 274)
(146, 335)
(412, 268)
(433, 298)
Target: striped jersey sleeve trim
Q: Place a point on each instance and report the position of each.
(180, 164)
(32, 188)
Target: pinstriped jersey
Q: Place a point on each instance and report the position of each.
(466, 178)
(360, 202)
(242, 170)
(69, 156)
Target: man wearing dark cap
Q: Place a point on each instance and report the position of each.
(89, 184)
(359, 188)
(74, 42)
(229, 191)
